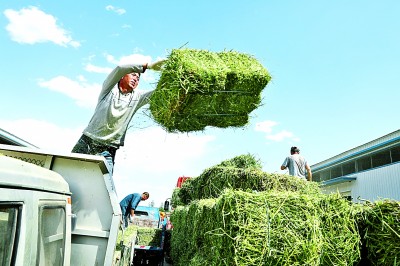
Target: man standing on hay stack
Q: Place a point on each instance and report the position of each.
(297, 164)
(117, 103)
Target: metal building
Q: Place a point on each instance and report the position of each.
(368, 172)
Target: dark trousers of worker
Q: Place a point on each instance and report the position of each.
(87, 145)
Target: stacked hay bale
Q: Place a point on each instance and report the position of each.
(199, 88)
(148, 236)
(380, 231)
(246, 217)
(143, 236)
(125, 238)
(242, 172)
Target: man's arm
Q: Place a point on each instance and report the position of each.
(309, 174)
(122, 70)
(156, 65)
(115, 75)
(144, 98)
(285, 164)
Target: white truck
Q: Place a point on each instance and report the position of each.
(56, 209)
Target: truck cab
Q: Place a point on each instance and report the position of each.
(146, 216)
(35, 207)
(56, 209)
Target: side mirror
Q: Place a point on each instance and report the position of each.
(166, 205)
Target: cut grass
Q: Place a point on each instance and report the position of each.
(199, 88)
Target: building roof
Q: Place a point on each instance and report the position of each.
(10, 139)
(369, 147)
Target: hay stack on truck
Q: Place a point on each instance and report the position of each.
(169, 227)
(142, 241)
(148, 241)
(56, 209)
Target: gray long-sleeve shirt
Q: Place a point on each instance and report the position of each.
(115, 110)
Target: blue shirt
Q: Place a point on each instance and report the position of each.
(130, 202)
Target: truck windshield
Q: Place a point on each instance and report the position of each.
(8, 231)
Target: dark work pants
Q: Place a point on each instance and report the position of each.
(86, 145)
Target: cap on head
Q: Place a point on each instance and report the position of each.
(294, 149)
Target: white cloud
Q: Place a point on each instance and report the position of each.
(96, 69)
(149, 76)
(151, 160)
(280, 136)
(31, 25)
(43, 134)
(84, 94)
(265, 126)
(81, 78)
(110, 58)
(170, 151)
(119, 11)
(136, 58)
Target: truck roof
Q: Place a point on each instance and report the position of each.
(25, 175)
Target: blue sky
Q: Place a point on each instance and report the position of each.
(335, 67)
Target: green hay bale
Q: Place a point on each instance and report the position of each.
(381, 232)
(242, 161)
(125, 238)
(199, 88)
(182, 248)
(175, 199)
(244, 173)
(267, 228)
(340, 231)
(148, 236)
(185, 193)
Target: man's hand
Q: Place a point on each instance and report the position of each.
(131, 219)
(156, 65)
